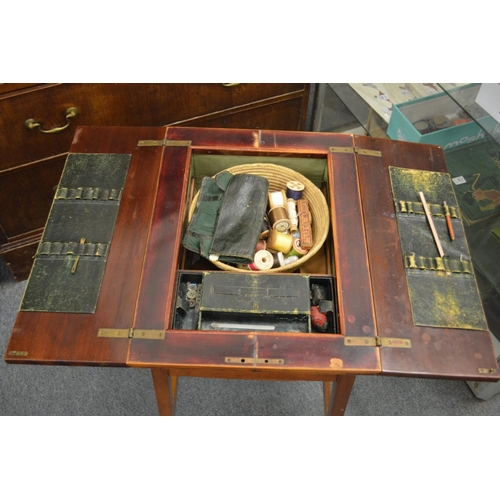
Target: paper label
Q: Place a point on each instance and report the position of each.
(459, 180)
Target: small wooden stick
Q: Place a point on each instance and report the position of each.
(448, 221)
(431, 224)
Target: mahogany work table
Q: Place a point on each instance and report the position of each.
(117, 296)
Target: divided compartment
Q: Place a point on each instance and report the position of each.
(220, 301)
(210, 308)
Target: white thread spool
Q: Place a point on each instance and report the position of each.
(263, 260)
(289, 260)
(292, 215)
(277, 199)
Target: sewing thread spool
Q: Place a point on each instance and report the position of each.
(292, 214)
(262, 261)
(276, 259)
(278, 217)
(277, 199)
(294, 190)
(289, 260)
(281, 242)
(281, 259)
(261, 245)
(297, 249)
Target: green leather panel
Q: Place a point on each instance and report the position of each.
(71, 258)
(443, 291)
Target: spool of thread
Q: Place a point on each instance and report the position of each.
(289, 260)
(262, 261)
(277, 199)
(261, 245)
(294, 190)
(278, 260)
(278, 218)
(281, 242)
(292, 214)
(265, 228)
(297, 249)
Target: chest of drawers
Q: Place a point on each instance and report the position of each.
(38, 122)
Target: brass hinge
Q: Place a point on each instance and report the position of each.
(487, 370)
(258, 361)
(131, 333)
(163, 142)
(377, 342)
(358, 151)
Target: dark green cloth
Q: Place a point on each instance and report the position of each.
(200, 231)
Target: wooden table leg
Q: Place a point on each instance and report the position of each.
(165, 390)
(327, 391)
(336, 402)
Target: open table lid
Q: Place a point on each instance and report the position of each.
(448, 341)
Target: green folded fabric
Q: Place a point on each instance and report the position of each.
(199, 233)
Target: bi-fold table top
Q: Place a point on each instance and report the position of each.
(105, 281)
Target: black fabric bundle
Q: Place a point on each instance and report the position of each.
(236, 225)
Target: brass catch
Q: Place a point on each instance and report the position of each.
(163, 142)
(130, 333)
(358, 151)
(341, 149)
(486, 370)
(377, 342)
(367, 152)
(258, 361)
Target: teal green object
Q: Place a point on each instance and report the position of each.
(405, 114)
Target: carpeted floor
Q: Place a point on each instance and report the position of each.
(63, 390)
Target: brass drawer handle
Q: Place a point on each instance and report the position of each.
(33, 124)
(230, 84)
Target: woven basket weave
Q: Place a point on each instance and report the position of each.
(278, 177)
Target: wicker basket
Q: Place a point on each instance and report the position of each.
(278, 177)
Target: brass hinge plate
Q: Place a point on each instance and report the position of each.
(130, 333)
(377, 342)
(258, 361)
(487, 370)
(163, 142)
(358, 151)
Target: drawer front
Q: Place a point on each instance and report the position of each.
(12, 87)
(19, 258)
(285, 115)
(26, 195)
(112, 104)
